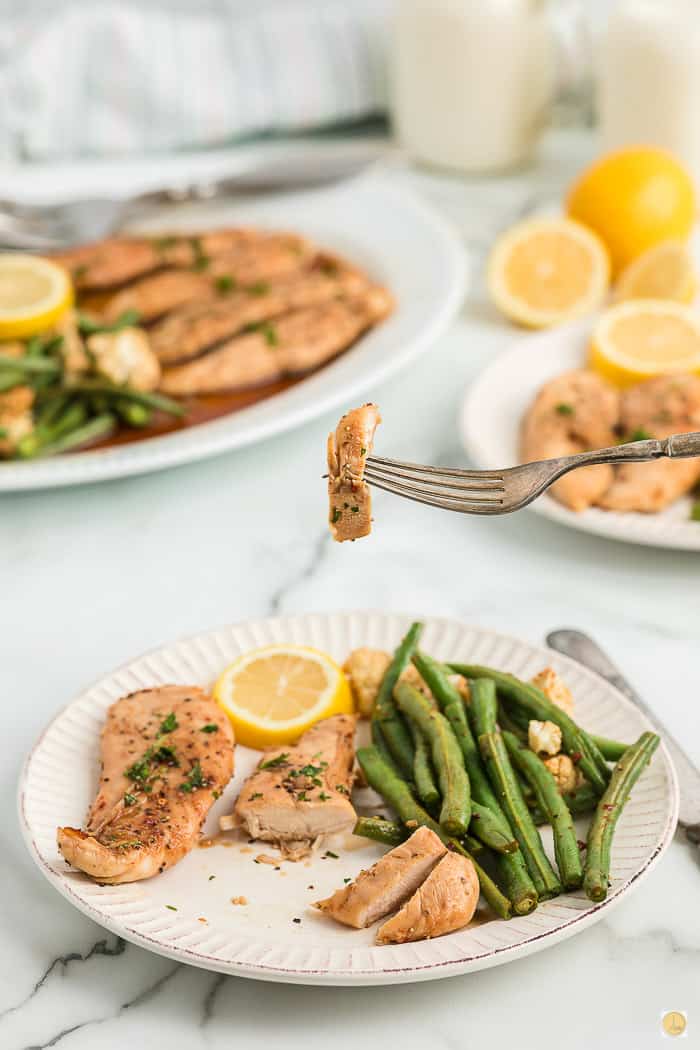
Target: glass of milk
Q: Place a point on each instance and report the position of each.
(649, 78)
(472, 81)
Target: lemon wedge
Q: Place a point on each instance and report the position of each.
(546, 271)
(643, 338)
(34, 295)
(275, 694)
(663, 272)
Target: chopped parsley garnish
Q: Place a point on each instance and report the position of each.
(139, 771)
(301, 797)
(129, 800)
(259, 288)
(273, 763)
(256, 794)
(171, 907)
(296, 920)
(564, 409)
(354, 510)
(169, 723)
(337, 515)
(346, 881)
(165, 756)
(363, 451)
(201, 260)
(211, 877)
(640, 434)
(324, 797)
(210, 727)
(341, 789)
(225, 284)
(329, 853)
(195, 779)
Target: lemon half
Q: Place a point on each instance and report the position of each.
(663, 272)
(275, 694)
(34, 295)
(546, 271)
(643, 338)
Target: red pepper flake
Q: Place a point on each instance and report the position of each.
(576, 757)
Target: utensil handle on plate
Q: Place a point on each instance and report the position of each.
(584, 650)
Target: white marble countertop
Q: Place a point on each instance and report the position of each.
(90, 577)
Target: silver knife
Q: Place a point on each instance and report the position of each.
(585, 651)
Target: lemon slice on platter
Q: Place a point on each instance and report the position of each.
(275, 694)
(643, 338)
(663, 272)
(34, 295)
(546, 271)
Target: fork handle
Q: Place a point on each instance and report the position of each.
(677, 446)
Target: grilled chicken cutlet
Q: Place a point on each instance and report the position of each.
(293, 344)
(573, 413)
(167, 753)
(445, 902)
(656, 408)
(247, 264)
(116, 260)
(388, 883)
(350, 513)
(300, 793)
(188, 331)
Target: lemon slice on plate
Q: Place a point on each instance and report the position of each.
(273, 695)
(34, 295)
(663, 272)
(644, 338)
(546, 271)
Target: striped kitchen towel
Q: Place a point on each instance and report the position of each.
(92, 78)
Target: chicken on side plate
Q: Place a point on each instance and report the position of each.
(350, 513)
(167, 754)
(298, 794)
(656, 409)
(574, 412)
(387, 884)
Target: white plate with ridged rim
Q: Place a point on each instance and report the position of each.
(400, 240)
(186, 915)
(492, 412)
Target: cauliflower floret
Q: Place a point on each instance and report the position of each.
(544, 737)
(461, 685)
(125, 357)
(73, 352)
(567, 776)
(16, 420)
(554, 689)
(365, 668)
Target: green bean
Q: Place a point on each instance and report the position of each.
(397, 793)
(392, 833)
(97, 427)
(483, 708)
(140, 397)
(576, 742)
(455, 811)
(512, 868)
(393, 728)
(28, 366)
(134, 415)
(486, 827)
(507, 721)
(127, 319)
(10, 379)
(506, 785)
(600, 834)
(50, 410)
(582, 800)
(611, 750)
(423, 775)
(544, 785)
(73, 416)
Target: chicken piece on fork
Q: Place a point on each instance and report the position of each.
(350, 515)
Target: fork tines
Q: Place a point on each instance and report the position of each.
(446, 487)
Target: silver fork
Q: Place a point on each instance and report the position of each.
(503, 491)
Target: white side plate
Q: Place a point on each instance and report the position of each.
(261, 939)
(400, 240)
(494, 406)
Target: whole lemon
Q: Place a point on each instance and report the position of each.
(634, 199)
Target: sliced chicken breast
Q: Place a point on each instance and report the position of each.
(297, 794)
(388, 883)
(573, 413)
(249, 262)
(186, 332)
(295, 343)
(657, 408)
(167, 754)
(444, 902)
(116, 260)
(350, 511)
